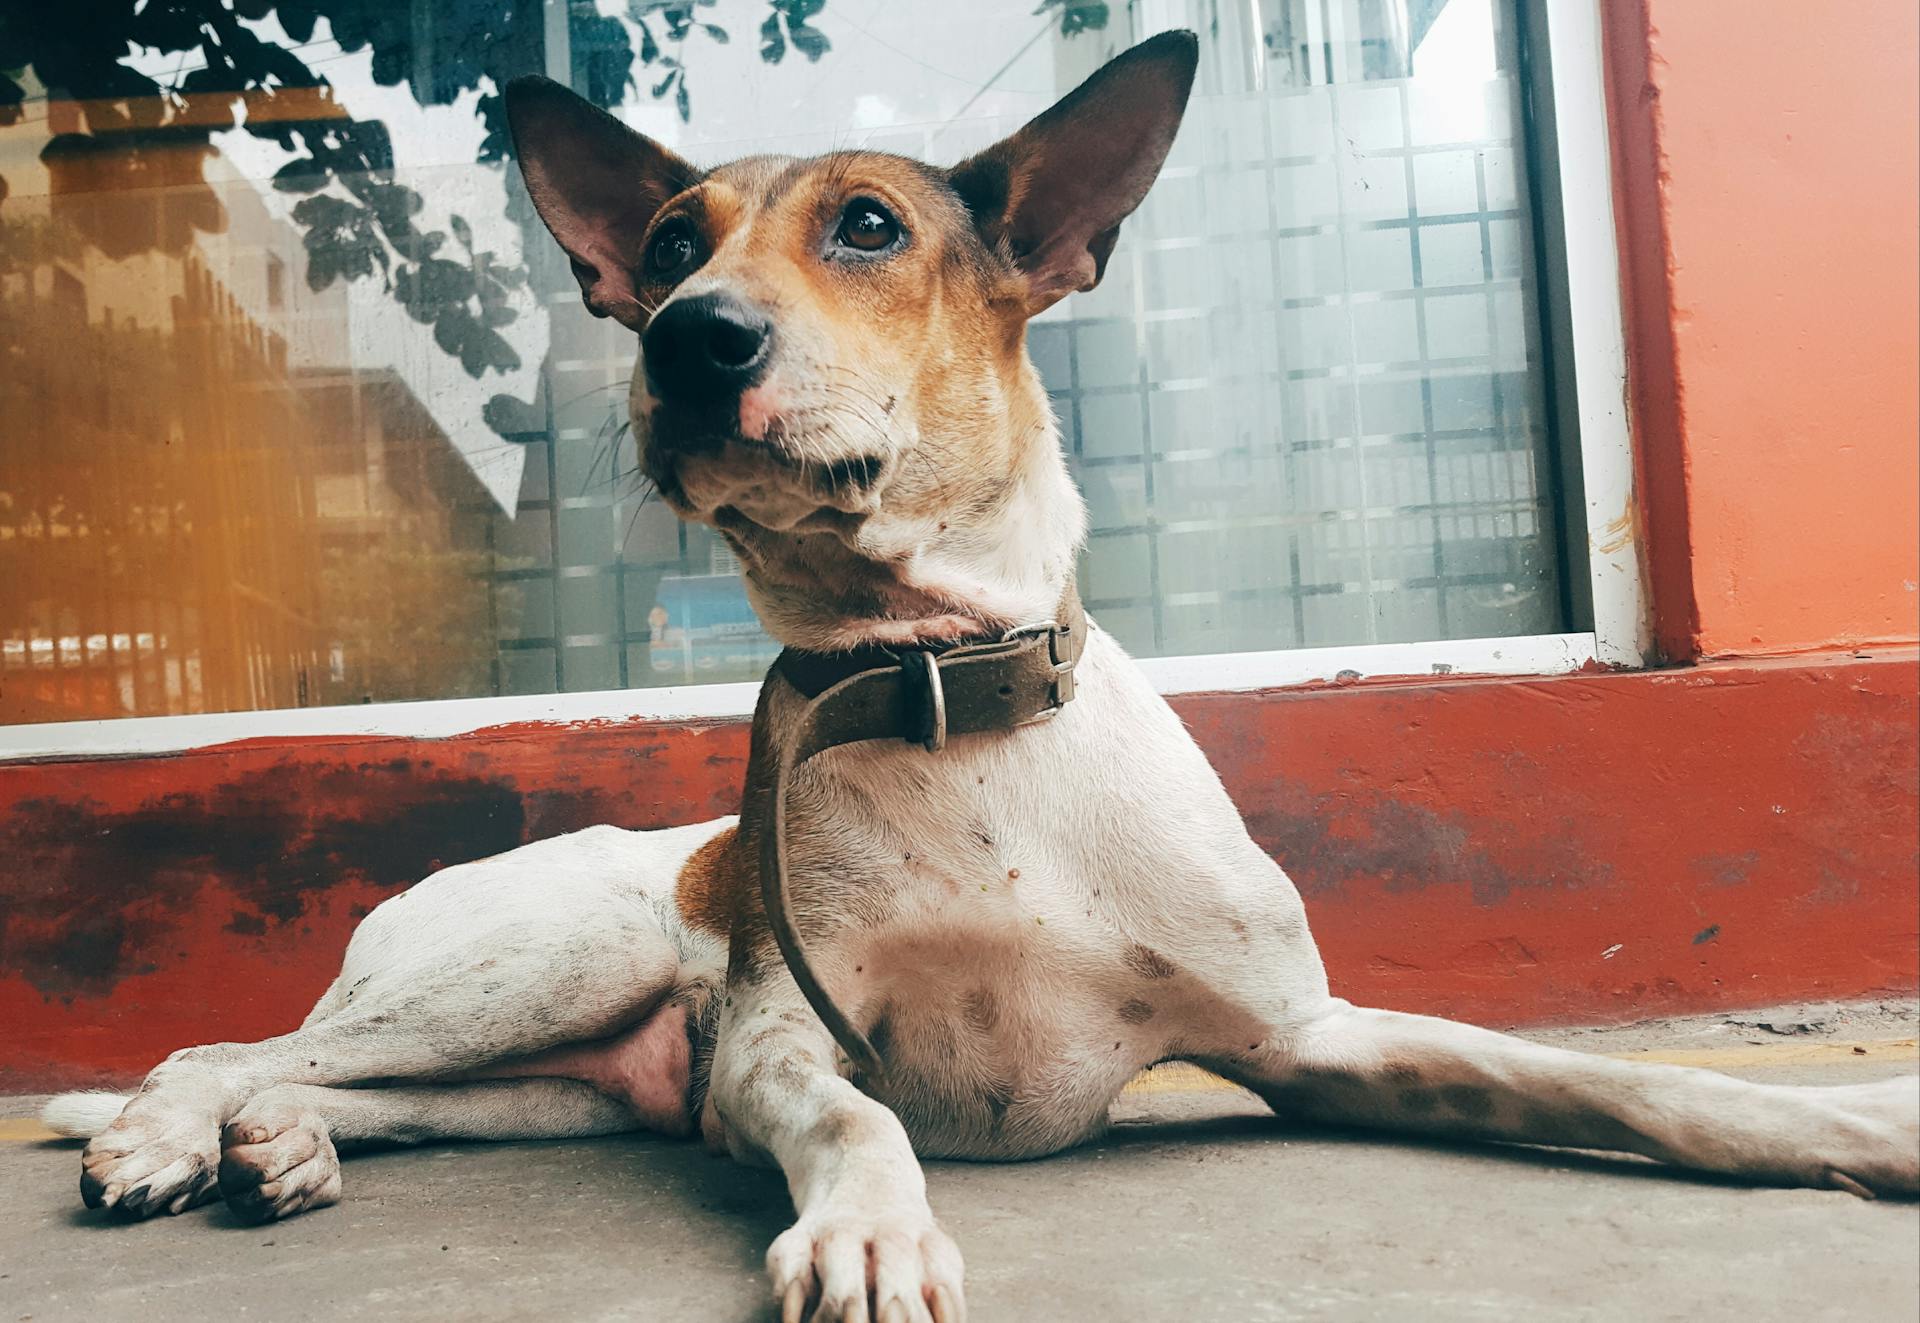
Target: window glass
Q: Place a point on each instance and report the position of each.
(299, 406)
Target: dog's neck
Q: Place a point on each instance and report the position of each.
(958, 572)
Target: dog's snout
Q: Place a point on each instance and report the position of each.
(706, 350)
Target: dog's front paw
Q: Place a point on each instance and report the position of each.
(151, 1160)
(867, 1268)
(277, 1159)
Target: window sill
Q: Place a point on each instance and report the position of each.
(1543, 654)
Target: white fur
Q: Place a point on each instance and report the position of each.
(82, 1115)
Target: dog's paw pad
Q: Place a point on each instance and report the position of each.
(276, 1160)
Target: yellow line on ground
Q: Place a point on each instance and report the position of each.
(1181, 1077)
(1781, 1054)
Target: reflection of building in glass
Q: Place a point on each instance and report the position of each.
(406, 611)
(193, 516)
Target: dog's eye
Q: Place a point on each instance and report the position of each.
(672, 248)
(867, 226)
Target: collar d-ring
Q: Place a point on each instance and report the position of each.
(936, 705)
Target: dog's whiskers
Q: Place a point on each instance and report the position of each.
(648, 491)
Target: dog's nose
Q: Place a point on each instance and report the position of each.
(706, 350)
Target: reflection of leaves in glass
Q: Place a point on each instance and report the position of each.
(442, 294)
(1077, 16)
(339, 240)
(788, 24)
(356, 220)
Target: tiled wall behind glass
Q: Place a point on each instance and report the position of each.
(1305, 406)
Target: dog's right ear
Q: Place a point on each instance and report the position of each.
(1051, 198)
(596, 183)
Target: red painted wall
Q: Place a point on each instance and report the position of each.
(1582, 848)
(1768, 164)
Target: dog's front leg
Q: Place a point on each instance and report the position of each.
(865, 1246)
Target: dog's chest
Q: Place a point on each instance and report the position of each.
(986, 955)
(1001, 1041)
(1014, 920)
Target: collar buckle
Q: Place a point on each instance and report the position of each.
(1059, 653)
(921, 668)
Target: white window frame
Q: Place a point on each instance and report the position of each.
(1620, 636)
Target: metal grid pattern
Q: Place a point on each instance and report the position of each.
(594, 582)
(1306, 403)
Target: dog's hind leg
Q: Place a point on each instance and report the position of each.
(566, 940)
(1352, 1066)
(1264, 1018)
(280, 1155)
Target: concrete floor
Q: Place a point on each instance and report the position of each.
(1197, 1207)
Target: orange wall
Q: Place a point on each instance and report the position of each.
(1768, 156)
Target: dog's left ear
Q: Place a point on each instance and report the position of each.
(1051, 198)
(596, 183)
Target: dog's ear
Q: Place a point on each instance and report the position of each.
(596, 183)
(1051, 198)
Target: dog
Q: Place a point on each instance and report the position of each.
(1036, 888)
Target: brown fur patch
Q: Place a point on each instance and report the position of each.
(981, 1010)
(1148, 963)
(1418, 1102)
(1339, 1079)
(839, 1129)
(1136, 1011)
(711, 885)
(1470, 1100)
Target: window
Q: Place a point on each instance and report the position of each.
(1306, 406)
(303, 410)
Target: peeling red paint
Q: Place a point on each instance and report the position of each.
(1476, 849)
(150, 902)
(1509, 851)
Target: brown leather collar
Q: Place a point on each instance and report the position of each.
(926, 693)
(921, 695)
